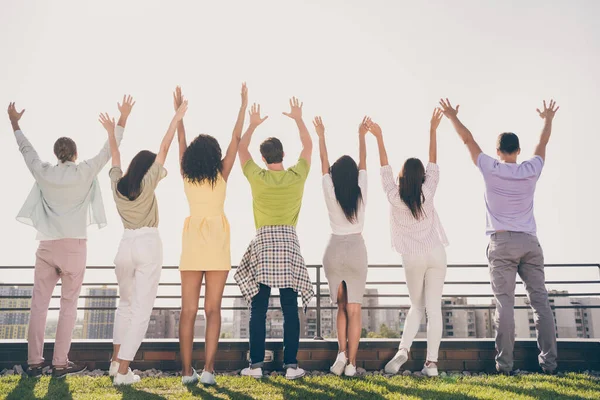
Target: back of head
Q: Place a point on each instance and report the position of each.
(344, 174)
(65, 149)
(272, 150)
(508, 143)
(411, 186)
(202, 160)
(130, 185)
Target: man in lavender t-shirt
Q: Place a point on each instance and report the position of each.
(514, 247)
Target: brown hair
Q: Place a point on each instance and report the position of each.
(65, 149)
(272, 150)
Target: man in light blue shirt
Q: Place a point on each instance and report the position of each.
(514, 247)
(64, 200)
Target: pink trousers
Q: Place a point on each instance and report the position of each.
(63, 260)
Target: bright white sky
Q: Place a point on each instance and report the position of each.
(67, 61)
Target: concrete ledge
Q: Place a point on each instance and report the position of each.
(476, 355)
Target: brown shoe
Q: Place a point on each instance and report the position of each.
(70, 369)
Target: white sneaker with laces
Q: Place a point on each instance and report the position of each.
(114, 369)
(340, 363)
(190, 380)
(430, 369)
(294, 373)
(395, 363)
(207, 378)
(350, 370)
(128, 379)
(256, 373)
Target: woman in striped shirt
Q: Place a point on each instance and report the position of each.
(418, 236)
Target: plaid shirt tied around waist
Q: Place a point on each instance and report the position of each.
(273, 258)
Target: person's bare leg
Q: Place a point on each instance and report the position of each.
(191, 283)
(124, 366)
(215, 284)
(342, 318)
(115, 353)
(354, 328)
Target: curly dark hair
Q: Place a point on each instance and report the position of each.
(202, 160)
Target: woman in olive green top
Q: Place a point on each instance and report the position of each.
(139, 260)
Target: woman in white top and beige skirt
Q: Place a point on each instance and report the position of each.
(345, 259)
(418, 236)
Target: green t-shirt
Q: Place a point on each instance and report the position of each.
(277, 195)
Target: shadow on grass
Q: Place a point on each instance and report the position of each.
(538, 392)
(301, 389)
(200, 392)
(58, 389)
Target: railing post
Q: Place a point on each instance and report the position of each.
(318, 333)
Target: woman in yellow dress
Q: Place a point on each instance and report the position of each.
(205, 241)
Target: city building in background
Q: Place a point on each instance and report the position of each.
(98, 324)
(13, 324)
(164, 324)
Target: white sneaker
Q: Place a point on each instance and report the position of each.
(340, 363)
(128, 379)
(190, 380)
(114, 369)
(253, 372)
(395, 363)
(350, 370)
(207, 378)
(294, 373)
(430, 370)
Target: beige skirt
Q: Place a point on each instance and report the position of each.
(345, 260)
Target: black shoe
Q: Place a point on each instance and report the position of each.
(549, 372)
(34, 371)
(70, 369)
(506, 373)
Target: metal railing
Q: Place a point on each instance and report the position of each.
(319, 295)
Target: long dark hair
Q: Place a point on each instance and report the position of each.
(411, 186)
(130, 185)
(344, 174)
(202, 161)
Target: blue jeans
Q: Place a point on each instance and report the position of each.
(291, 326)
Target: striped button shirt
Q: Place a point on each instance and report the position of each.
(411, 235)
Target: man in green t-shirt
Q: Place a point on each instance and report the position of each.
(273, 258)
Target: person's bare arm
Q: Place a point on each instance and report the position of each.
(168, 138)
(255, 120)
(375, 129)
(296, 114)
(236, 136)
(436, 117)
(320, 129)
(363, 128)
(547, 115)
(177, 102)
(30, 155)
(109, 124)
(463, 132)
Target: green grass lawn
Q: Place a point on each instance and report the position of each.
(572, 386)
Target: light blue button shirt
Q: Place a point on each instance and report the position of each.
(66, 197)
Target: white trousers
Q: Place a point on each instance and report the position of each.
(137, 265)
(425, 275)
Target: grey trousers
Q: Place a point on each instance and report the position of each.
(510, 253)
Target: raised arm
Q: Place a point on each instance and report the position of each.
(363, 128)
(547, 115)
(436, 117)
(109, 125)
(99, 161)
(320, 129)
(375, 129)
(296, 114)
(177, 102)
(463, 132)
(168, 138)
(236, 136)
(31, 157)
(255, 121)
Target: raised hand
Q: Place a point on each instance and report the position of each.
(375, 129)
(177, 98)
(447, 108)
(13, 114)
(436, 117)
(319, 127)
(244, 96)
(296, 109)
(364, 126)
(548, 112)
(107, 123)
(255, 119)
(180, 113)
(126, 105)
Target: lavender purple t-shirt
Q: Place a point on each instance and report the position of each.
(509, 191)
